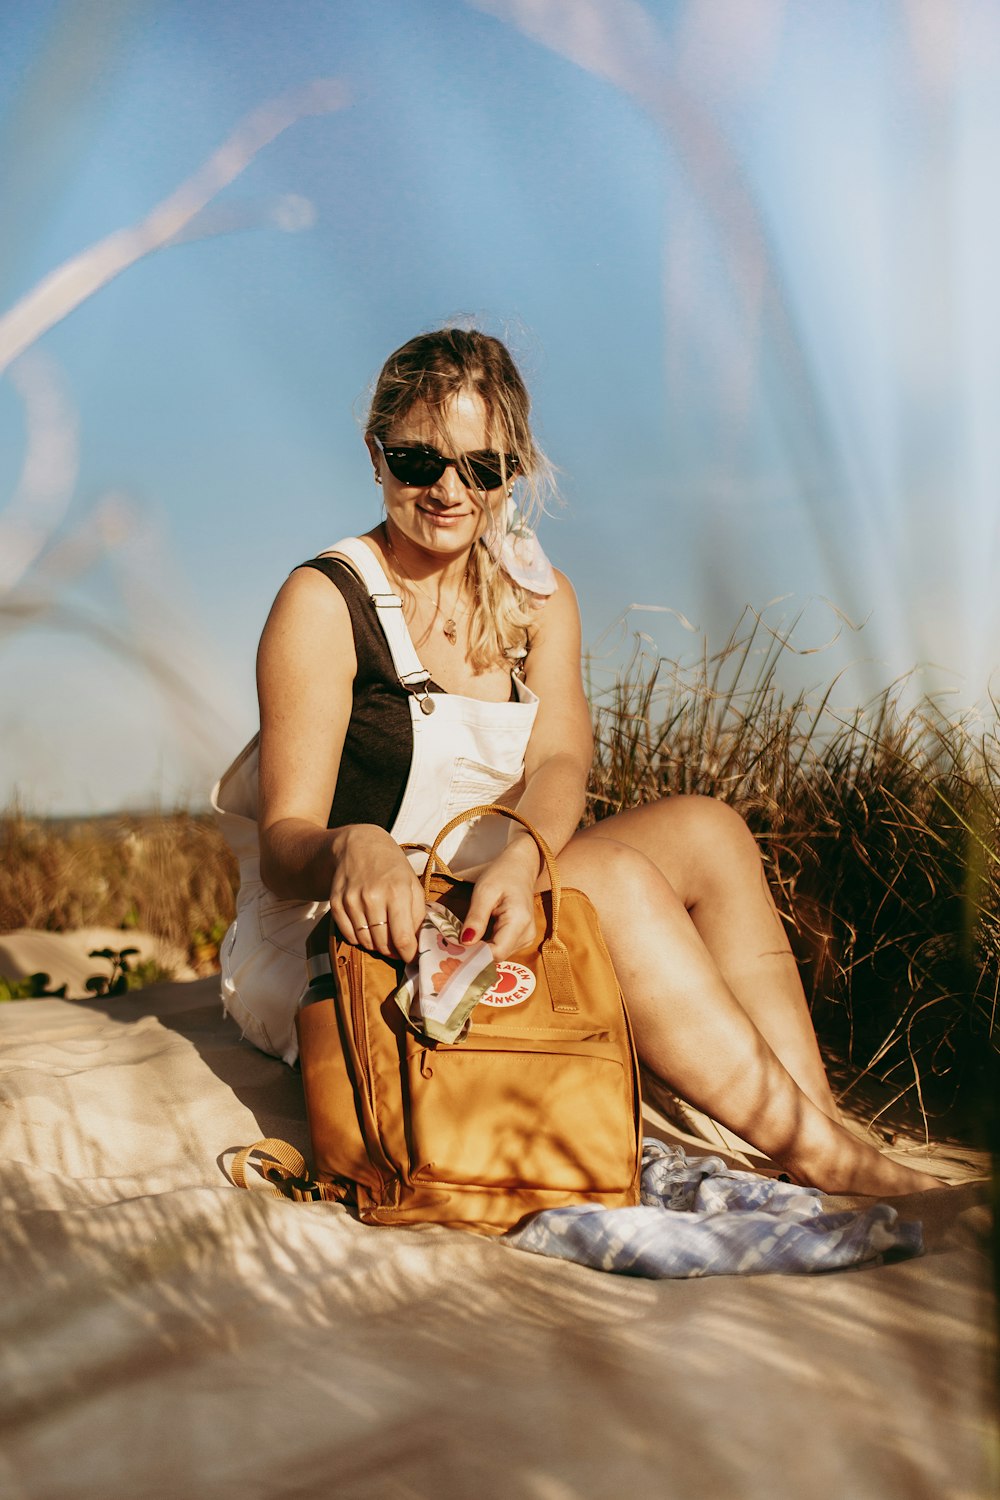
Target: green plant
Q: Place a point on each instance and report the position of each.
(126, 973)
(124, 977)
(32, 987)
(117, 982)
(146, 972)
(206, 942)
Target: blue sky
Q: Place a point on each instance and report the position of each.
(745, 253)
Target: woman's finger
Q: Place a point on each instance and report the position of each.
(514, 932)
(378, 931)
(402, 928)
(418, 904)
(352, 923)
(481, 909)
(362, 936)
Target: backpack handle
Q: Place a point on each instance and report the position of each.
(426, 849)
(555, 958)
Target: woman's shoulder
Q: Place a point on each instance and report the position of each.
(353, 564)
(341, 617)
(336, 569)
(309, 622)
(563, 586)
(306, 604)
(556, 609)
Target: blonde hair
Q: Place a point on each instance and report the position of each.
(430, 370)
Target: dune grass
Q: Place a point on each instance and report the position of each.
(170, 874)
(880, 831)
(881, 835)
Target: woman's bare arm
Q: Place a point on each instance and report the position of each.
(306, 667)
(557, 764)
(561, 748)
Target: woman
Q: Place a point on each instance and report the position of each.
(372, 734)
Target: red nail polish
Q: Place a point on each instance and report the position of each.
(468, 934)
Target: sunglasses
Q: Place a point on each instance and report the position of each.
(418, 465)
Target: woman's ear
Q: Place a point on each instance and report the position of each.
(376, 457)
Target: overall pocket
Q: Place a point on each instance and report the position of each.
(473, 782)
(472, 846)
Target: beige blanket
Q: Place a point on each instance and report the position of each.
(165, 1335)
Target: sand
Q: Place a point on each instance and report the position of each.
(164, 1335)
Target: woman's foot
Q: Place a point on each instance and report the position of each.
(847, 1165)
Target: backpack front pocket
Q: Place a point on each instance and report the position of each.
(524, 1115)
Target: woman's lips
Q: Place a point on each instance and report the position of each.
(443, 517)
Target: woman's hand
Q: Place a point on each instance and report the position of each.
(505, 894)
(375, 898)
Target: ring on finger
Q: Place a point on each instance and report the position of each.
(380, 924)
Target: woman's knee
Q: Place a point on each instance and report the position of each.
(700, 843)
(710, 824)
(613, 873)
(720, 852)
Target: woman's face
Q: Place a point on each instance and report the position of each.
(444, 518)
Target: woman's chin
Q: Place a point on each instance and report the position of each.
(442, 537)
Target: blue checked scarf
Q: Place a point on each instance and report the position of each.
(699, 1217)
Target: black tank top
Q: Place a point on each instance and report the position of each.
(378, 746)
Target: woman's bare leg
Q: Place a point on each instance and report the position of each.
(710, 858)
(691, 1029)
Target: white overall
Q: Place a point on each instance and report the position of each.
(464, 752)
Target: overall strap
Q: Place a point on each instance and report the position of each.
(388, 608)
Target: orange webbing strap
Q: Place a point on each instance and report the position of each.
(442, 868)
(559, 976)
(285, 1172)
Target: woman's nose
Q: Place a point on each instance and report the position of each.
(449, 487)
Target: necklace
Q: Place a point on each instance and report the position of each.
(449, 624)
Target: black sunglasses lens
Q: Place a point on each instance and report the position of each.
(490, 469)
(416, 466)
(485, 472)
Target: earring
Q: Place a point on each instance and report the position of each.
(378, 477)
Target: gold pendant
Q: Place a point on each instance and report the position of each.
(450, 629)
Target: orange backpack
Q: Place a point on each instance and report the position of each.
(536, 1106)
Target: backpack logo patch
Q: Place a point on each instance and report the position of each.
(514, 984)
